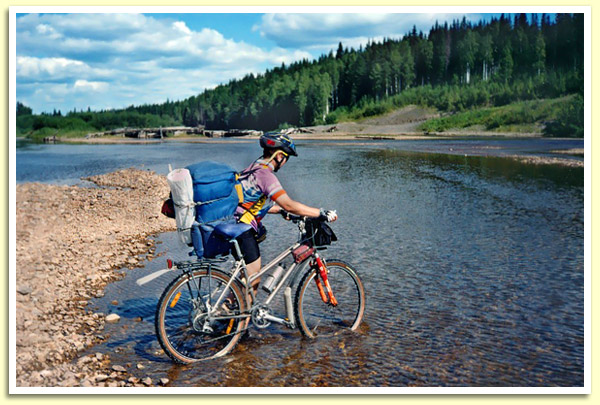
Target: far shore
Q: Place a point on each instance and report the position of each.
(243, 139)
(305, 136)
(346, 137)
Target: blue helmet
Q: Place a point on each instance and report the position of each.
(278, 140)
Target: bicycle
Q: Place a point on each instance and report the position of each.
(204, 311)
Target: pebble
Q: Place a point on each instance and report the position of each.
(54, 224)
(112, 318)
(24, 290)
(101, 377)
(118, 368)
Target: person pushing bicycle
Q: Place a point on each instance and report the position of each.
(264, 194)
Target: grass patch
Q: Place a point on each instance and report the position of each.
(524, 116)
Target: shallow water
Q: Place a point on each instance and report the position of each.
(473, 266)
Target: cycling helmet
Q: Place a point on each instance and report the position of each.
(278, 140)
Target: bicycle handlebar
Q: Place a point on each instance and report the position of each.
(299, 218)
(296, 218)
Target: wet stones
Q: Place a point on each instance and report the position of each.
(118, 368)
(113, 318)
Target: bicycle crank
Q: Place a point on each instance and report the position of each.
(260, 315)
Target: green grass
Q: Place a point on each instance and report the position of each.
(524, 116)
(40, 134)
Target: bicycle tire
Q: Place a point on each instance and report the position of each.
(180, 317)
(317, 318)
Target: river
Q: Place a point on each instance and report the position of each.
(473, 263)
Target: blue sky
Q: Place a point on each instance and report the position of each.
(102, 61)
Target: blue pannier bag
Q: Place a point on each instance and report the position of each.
(216, 197)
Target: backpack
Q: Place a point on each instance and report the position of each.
(205, 195)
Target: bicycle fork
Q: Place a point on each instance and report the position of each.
(321, 270)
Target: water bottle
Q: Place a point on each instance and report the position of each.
(272, 279)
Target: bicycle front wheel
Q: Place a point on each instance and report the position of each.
(185, 331)
(317, 318)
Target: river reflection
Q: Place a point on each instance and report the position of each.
(473, 268)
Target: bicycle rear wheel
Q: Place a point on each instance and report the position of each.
(317, 318)
(182, 325)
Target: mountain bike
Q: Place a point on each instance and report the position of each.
(204, 311)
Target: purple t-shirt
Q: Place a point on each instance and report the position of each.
(261, 189)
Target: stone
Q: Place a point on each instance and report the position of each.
(24, 290)
(112, 318)
(101, 377)
(118, 368)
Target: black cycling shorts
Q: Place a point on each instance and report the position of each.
(248, 246)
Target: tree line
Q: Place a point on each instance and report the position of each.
(454, 66)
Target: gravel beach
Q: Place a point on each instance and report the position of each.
(71, 241)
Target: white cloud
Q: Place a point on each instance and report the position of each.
(84, 85)
(324, 31)
(61, 58)
(28, 66)
(47, 31)
(180, 26)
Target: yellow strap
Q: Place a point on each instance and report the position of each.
(247, 218)
(238, 189)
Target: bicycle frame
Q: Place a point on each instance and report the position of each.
(240, 266)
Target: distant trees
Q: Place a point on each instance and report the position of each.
(462, 53)
(519, 57)
(23, 109)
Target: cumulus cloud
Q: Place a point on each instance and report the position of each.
(28, 66)
(142, 59)
(84, 85)
(325, 31)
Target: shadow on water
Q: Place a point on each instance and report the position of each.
(486, 166)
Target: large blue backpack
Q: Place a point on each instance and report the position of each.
(217, 193)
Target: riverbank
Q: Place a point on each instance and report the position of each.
(343, 137)
(70, 243)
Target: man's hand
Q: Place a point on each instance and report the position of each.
(327, 215)
(285, 214)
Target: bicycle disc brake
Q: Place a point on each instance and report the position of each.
(258, 316)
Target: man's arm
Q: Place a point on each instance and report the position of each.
(294, 207)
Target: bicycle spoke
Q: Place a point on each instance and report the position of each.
(316, 318)
(185, 330)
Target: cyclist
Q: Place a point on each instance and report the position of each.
(264, 194)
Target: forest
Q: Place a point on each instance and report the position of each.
(454, 68)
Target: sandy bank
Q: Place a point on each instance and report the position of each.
(70, 243)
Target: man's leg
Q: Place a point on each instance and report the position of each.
(252, 269)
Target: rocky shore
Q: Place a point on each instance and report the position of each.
(72, 241)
